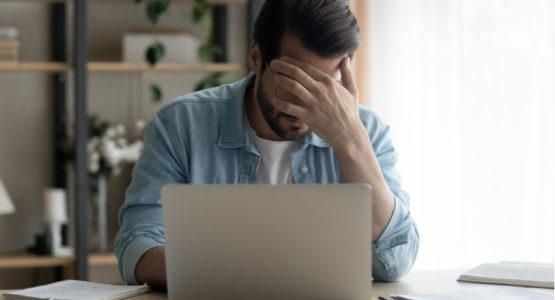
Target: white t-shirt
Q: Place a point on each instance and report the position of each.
(275, 166)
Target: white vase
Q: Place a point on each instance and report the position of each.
(101, 213)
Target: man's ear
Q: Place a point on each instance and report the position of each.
(255, 57)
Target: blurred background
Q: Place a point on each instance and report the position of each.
(467, 86)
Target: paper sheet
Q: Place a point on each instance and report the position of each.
(74, 289)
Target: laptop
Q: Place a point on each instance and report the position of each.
(268, 241)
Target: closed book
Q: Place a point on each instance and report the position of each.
(512, 273)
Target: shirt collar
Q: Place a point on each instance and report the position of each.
(234, 130)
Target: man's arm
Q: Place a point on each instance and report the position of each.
(323, 100)
(358, 164)
(151, 268)
(141, 236)
(395, 235)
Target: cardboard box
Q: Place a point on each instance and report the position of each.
(181, 46)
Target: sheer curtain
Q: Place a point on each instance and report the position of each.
(468, 89)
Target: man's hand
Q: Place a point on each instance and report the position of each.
(322, 100)
(330, 109)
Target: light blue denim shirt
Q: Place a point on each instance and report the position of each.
(202, 138)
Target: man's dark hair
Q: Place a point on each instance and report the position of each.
(326, 27)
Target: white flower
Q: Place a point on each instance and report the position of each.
(133, 151)
(111, 152)
(140, 126)
(113, 149)
(110, 132)
(120, 129)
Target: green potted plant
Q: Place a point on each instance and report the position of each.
(201, 13)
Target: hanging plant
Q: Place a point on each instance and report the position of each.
(156, 51)
(201, 13)
(209, 50)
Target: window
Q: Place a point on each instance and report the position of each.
(468, 89)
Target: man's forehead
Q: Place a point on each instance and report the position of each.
(291, 46)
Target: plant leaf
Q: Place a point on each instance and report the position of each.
(201, 9)
(155, 8)
(154, 53)
(209, 51)
(206, 53)
(155, 93)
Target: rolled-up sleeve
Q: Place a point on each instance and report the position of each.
(394, 252)
(140, 217)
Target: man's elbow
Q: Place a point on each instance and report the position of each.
(393, 264)
(391, 275)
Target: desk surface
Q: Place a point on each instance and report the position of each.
(416, 282)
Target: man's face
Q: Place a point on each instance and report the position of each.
(286, 126)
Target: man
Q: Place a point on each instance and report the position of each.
(295, 119)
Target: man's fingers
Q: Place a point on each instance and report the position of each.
(347, 77)
(290, 108)
(309, 69)
(293, 71)
(296, 89)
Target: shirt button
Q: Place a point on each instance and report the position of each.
(304, 169)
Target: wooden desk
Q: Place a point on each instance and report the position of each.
(435, 282)
(416, 282)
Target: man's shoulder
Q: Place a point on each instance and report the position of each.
(196, 103)
(378, 130)
(371, 120)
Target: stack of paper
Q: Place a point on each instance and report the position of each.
(74, 289)
(9, 44)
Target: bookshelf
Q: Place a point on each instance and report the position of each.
(78, 64)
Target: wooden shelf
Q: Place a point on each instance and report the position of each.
(102, 259)
(29, 261)
(26, 261)
(122, 67)
(164, 67)
(214, 2)
(32, 66)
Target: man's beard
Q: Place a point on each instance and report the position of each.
(272, 117)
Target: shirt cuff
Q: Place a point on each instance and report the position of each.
(133, 253)
(394, 229)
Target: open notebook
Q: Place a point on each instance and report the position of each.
(512, 273)
(74, 289)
